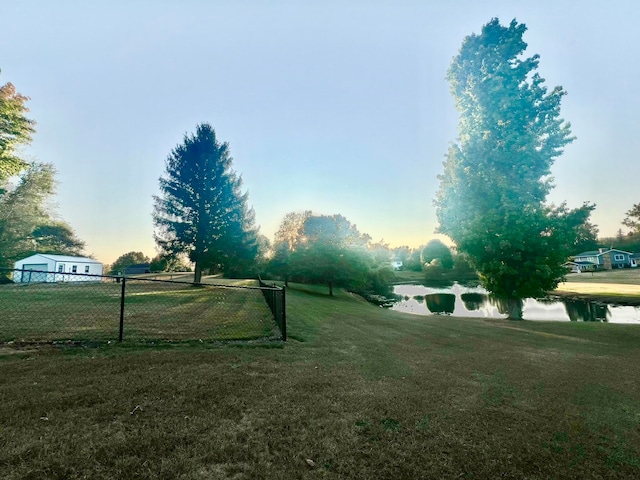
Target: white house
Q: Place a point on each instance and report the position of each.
(63, 268)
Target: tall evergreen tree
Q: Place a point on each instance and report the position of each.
(491, 199)
(201, 210)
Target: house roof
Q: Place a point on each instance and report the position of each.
(595, 253)
(590, 253)
(66, 258)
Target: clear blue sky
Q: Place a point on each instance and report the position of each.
(331, 106)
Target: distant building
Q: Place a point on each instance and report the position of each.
(45, 267)
(604, 259)
(137, 269)
(396, 264)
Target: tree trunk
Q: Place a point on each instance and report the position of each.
(330, 289)
(514, 308)
(197, 274)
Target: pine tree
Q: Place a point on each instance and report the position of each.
(202, 211)
(491, 200)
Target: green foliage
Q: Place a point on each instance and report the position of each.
(328, 249)
(632, 219)
(57, 237)
(26, 223)
(436, 275)
(201, 211)
(163, 263)
(629, 242)
(497, 175)
(586, 237)
(289, 235)
(126, 260)
(22, 210)
(331, 264)
(413, 262)
(15, 129)
(436, 250)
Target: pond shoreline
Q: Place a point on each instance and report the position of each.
(616, 299)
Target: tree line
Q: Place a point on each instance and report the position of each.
(28, 222)
(491, 201)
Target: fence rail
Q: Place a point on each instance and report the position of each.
(276, 299)
(42, 306)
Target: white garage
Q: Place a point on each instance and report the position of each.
(43, 267)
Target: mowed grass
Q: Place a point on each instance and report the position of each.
(615, 286)
(90, 312)
(357, 392)
(622, 276)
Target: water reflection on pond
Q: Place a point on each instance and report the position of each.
(475, 302)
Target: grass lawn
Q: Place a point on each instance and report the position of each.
(615, 286)
(625, 276)
(154, 311)
(357, 392)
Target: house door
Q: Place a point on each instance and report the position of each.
(32, 273)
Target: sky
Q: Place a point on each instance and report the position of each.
(329, 106)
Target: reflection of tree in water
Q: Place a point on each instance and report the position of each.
(437, 283)
(583, 311)
(474, 301)
(441, 302)
(503, 304)
(547, 300)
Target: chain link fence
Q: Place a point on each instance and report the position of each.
(39, 306)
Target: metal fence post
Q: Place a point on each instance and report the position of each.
(122, 310)
(284, 315)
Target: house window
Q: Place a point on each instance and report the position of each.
(86, 269)
(74, 269)
(618, 257)
(60, 268)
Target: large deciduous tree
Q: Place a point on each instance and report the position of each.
(57, 237)
(632, 219)
(286, 240)
(27, 225)
(202, 211)
(436, 250)
(27, 222)
(491, 200)
(325, 249)
(15, 129)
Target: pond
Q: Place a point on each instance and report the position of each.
(462, 301)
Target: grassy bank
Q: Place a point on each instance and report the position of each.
(358, 392)
(611, 286)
